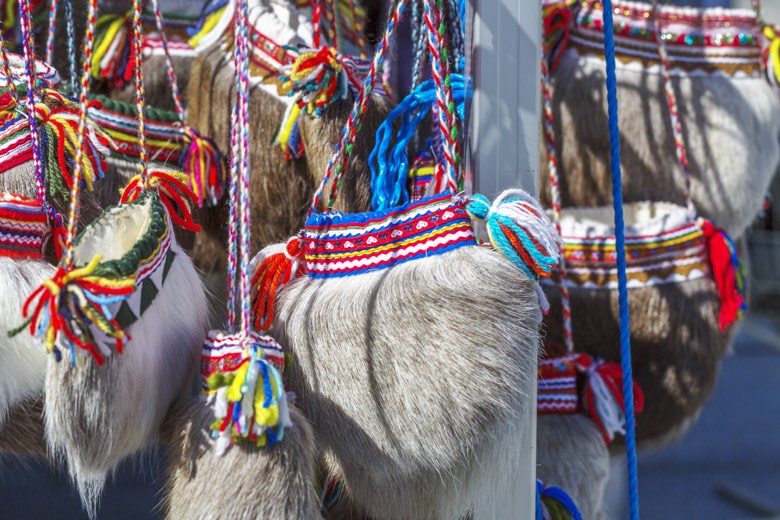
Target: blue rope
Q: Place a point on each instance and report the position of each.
(620, 245)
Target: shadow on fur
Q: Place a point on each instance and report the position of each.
(245, 482)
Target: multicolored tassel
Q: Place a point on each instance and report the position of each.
(72, 310)
(273, 268)
(519, 228)
(205, 168)
(250, 403)
(174, 194)
(728, 273)
(113, 58)
(603, 396)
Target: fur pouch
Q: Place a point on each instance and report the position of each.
(142, 320)
(728, 111)
(272, 483)
(677, 334)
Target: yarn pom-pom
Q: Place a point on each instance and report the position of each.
(243, 374)
(603, 399)
(519, 228)
(273, 268)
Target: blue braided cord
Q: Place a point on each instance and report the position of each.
(539, 491)
(389, 170)
(71, 47)
(620, 246)
(563, 498)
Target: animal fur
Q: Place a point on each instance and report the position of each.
(97, 416)
(157, 88)
(413, 376)
(676, 347)
(21, 434)
(245, 482)
(731, 127)
(571, 454)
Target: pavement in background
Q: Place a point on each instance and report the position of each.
(735, 444)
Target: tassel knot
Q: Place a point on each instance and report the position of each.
(274, 267)
(72, 310)
(204, 165)
(174, 194)
(518, 228)
(728, 273)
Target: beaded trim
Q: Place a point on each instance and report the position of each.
(715, 39)
(557, 385)
(23, 226)
(666, 249)
(226, 353)
(337, 244)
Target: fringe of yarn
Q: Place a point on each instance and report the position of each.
(70, 308)
(205, 168)
(273, 268)
(174, 194)
(519, 229)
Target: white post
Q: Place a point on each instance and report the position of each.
(503, 137)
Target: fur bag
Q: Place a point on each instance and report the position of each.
(728, 110)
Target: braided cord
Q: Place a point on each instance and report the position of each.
(360, 26)
(89, 38)
(168, 61)
(339, 161)
(418, 43)
(441, 76)
(6, 67)
(139, 93)
(25, 17)
(759, 11)
(71, 46)
(552, 166)
(52, 27)
(243, 186)
(674, 115)
(620, 247)
(338, 42)
(316, 21)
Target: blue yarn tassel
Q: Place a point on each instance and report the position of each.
(620, 246)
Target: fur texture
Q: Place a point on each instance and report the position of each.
(676, 342)
(21, 434)
(96, 416)
(731, 127)
(245, 482)
(571, 454)
(157, 89)
(415, 410)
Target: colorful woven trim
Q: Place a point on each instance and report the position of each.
(670, 248)
(45, 74)
(337, 244)
(23, 226)
(226, 353)
(420, 175)
(165, 137)
(557, 385)
(714, 39)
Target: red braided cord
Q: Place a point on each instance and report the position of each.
(441, 76)
(52, 24)
(340, 158)
(89, 39)
(552, 166)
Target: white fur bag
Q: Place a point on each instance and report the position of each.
(728, 110)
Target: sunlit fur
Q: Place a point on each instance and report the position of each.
(245, 482)
(96, 416)
(731, 128)
(571, 454)
(416, 379)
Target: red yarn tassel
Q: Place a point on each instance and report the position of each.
(277, 265)
(724, 265)
(174, 194)
(604, 395)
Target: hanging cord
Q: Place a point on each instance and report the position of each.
(340, 159)
(555, 196)
(139, 93)
(360, 28)
(674, 115)
(441, 76)
(418, 44)
(71, 47)
(7, 68)
(759, 11)
(243, 185)
(89, 38)
(52, 26)
(25, 16)
(177, 101)
(620, 246)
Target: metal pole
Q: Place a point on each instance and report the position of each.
(505, 125)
